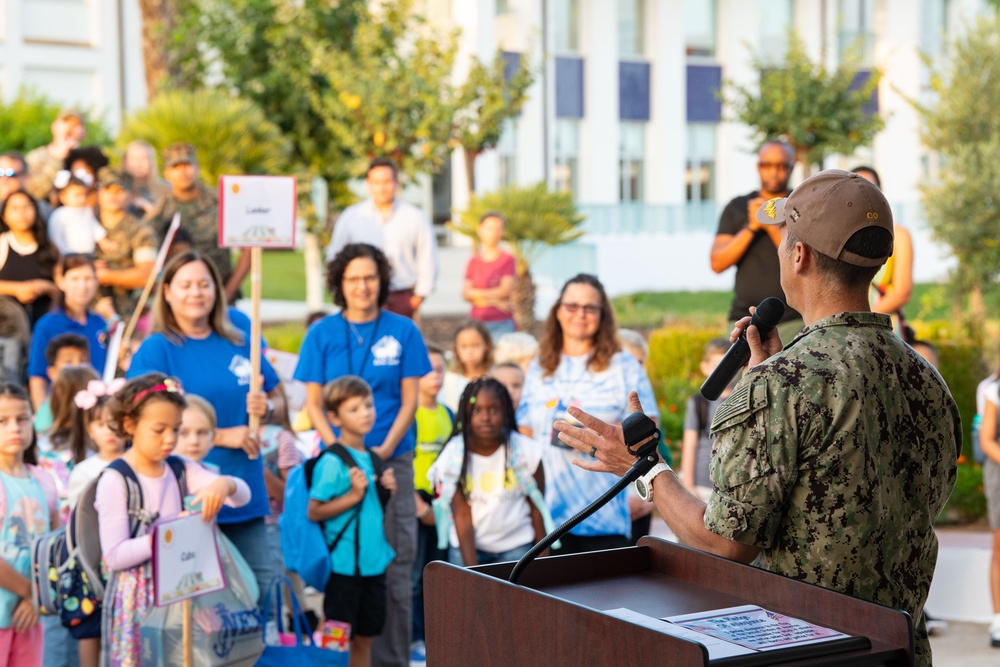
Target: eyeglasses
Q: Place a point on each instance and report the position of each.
(357, 280)
(589, 309)
(780, 166)
(9, 173)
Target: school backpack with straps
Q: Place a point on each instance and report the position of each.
(66, 563)
(303, 543)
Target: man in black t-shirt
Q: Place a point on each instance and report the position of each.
(750, 246)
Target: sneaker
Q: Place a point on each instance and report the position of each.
(418, 654)
(995, 634)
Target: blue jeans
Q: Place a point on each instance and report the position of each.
(251, 538)
(488, 558)
(60, 647)
(499, 328)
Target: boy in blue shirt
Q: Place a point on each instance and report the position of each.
(345, 500)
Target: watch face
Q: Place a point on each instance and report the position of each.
(642, 489)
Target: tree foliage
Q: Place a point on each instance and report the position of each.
(818, 111)
(231, 135)
(26, 122)
(963, 126)
(486, 100)
(390, 94)
(257, 48)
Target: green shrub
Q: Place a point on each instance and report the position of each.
(230, 135)
(26, 121)
(968, 502)
(674, 355)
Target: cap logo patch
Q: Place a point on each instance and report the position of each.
(872, 215)
(769, 207)
(795, 215)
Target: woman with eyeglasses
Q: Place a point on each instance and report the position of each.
(581, 363)
(388, 351)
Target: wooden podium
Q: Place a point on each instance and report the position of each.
(554, 617)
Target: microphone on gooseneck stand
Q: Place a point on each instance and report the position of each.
(636, 428)
(765, 317)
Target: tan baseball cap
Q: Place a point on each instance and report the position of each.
(827, 209)
(176, 154)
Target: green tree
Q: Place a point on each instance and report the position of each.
(230, 135)
(962, 203)
(487, 100)
(390, 94)
(818, 111)
(26, 122)
(537, 219)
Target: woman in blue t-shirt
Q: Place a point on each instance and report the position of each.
(388, 351)
(195, 341)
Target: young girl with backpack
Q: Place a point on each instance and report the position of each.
(147, 411)
(28, 503)
(489, 482)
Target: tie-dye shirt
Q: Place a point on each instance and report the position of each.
(604, 394)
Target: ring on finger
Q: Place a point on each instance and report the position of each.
(593, 452)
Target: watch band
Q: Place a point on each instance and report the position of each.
(644, 485)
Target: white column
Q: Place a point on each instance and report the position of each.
(599, 129)
(897, 147)
(666, 133)
(736, 44)
(534, 145)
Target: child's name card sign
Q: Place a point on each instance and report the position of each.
(257, 211)
(185, 560)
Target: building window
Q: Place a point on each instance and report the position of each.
(630, 27)
(566, 169)
(775, 29)
(566, 18)
(507, 151)
(855, 31)
(631, 152)
(699, 27)
(700, 174)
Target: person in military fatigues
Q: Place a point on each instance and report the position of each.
(125, 268)
(199, 209)
(834, 455)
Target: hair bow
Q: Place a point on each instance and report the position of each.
(169, 384)
(85, 399)
(61, 179)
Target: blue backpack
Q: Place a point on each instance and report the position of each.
(303, 544)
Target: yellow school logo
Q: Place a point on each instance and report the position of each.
(236, 188)
(769, 208)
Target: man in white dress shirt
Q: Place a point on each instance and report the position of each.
(400, 230)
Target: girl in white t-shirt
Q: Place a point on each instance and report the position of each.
(489, 482)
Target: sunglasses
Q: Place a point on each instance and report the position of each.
(590, 309)
(9, 173)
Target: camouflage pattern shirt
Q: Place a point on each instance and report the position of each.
(136, 243)
(834, 457)
(200, 220)
(42, 169)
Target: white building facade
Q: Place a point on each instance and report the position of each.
(626, 114)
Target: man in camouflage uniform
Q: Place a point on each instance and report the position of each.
(199, 209)
(68, 132)
(835, 454)
(126, 268)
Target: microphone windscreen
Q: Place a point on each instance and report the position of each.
(768, 313)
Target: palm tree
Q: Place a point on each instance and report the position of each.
(536, 219)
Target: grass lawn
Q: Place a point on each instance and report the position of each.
(284, 276)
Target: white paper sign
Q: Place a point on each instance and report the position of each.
(257, 211)
(185, 560)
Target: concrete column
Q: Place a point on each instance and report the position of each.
(736, 44)
(598, 159)
(666, 135)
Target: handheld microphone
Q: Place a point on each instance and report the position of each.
(765, 317)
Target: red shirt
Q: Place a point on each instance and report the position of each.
(485, 275)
